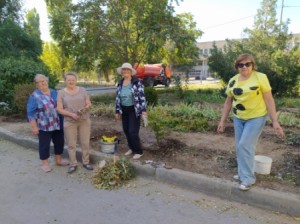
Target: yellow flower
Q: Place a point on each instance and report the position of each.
(109, 139)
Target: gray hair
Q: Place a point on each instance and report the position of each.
(40, 76)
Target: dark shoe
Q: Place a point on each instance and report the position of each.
(88, 166)
(72, 169)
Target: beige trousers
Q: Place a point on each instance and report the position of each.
(82, 129)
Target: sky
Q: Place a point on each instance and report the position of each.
(218, 19)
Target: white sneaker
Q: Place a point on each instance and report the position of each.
(137, 156)
(244, 187)
(236, 177)
(129, 152)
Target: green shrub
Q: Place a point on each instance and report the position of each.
(288, 102)
(190, 98)
(5, 108)
(106, 98)
(151, 96)
(21, 95)
(14, 71)
(292, 138)
(181, 118)
(102, 109)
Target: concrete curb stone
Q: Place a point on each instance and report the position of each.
(287, 203)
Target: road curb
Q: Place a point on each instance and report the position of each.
(263, 198)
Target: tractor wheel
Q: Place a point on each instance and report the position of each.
(148, 82)
(167, 82)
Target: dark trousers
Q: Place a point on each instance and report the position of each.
(131, 128)
(45, 138)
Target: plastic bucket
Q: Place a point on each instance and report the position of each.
(262, 165)
(108, 147)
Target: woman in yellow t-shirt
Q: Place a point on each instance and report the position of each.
(250, 98)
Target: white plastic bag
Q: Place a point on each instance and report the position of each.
(145, 120)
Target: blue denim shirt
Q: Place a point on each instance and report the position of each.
(139, 99)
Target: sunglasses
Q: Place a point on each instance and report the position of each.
(241, 65)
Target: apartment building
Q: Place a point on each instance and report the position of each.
(201, 70)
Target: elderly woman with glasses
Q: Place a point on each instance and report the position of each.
(250, 98)
(46, 123)
(130, 106)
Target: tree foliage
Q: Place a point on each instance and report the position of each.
(17, 40)
(56, 61)
(9, 9)
(111, 32)
(268, 42)
(20, 47)
(14, 71)
(32, 29)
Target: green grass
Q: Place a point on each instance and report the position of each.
(288, 102)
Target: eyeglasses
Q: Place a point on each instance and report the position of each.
(241, 65)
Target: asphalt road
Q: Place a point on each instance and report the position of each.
(30, 196)
(101, 90)
(107, 90)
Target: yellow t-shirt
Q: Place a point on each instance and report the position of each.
(247, 95)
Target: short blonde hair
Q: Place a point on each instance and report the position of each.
(72, 74)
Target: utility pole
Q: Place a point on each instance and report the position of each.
(282, 5)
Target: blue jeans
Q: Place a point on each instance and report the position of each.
(247, 133)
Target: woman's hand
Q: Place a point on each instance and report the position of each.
(117, 116)
(221, 127)
(88, 105)
(75, 117)
(35, 130)
(278, 129)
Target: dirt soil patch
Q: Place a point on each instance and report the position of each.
(207, 153)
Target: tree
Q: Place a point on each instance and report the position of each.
(222, 61)
(9, 9)
(56, 61)
(32, 28)
(268, 42)
(111, 32)
(15, 40)
(20, 47)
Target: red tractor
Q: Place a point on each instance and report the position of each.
(154, 74)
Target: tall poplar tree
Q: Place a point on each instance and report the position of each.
(32, 28)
